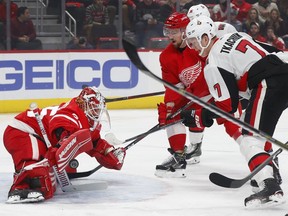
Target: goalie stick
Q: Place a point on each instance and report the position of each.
(138, 139)
(132, 53)
(62, 177)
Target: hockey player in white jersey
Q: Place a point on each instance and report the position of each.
(222, 28)
(236, 65)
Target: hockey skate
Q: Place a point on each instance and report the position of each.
(193, 153)
(276, 175)
(270, 194)
(173, 167)
(24, 196)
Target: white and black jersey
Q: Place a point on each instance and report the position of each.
(236, 65)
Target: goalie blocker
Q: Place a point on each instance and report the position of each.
(80, 142)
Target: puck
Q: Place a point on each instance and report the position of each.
(74, 164)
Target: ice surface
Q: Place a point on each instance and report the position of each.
(136, 191)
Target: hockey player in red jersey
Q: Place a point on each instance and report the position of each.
(34, 180)
(236, 65)
(174, 29)
(183, 67)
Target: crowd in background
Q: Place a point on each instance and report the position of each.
(142, 20)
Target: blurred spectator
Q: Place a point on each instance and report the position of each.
(243, 9)
(220, 11)
(253, 16)
(283, 9)
(77, 10)
(13, 10)
(273, 39)
(189, 4)
(97, 23)
(276, 22)
(75, 7)
(112, 9)
(166, 9)
(128, 10)
(255, 33)
(264, 8)
(128, 13)
(3, 14)
(234, 21)
(23, 33)
(251, 1)
(79, 43)
(147, 22)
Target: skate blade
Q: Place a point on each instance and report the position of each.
(274, 200)
(193, 160)
(17, 200)
(169, 174)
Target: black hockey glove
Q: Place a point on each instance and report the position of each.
(197, 118)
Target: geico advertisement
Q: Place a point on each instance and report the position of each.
(62, 75)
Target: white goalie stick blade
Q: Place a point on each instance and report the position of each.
(99, 185)
(227, 182)
(112, 139)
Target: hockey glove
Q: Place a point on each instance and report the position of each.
(107, 155)
(164, 110)
(196, 118)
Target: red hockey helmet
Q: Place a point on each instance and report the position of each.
(176, 21)
(91, 101)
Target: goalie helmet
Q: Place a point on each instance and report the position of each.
(197, 28)
(198, 10)
(175, 22)
(91, 101)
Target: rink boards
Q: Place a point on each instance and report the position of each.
(50, 78)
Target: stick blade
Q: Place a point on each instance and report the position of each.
(99, 185)
(132, 53)
(224, 181)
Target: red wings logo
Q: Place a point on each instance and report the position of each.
(190, 74)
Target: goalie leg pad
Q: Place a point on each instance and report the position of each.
(33, 181)
(74, 145)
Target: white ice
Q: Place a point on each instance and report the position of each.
(136, 191)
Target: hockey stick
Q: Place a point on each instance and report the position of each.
(107, 100)
(132, 53)
(62, 177)
(138, 139)
(226, 182)
(133, 97)
(152, 130)
(169, 117)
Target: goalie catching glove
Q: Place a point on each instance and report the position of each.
(197, 118)
(107, 155)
